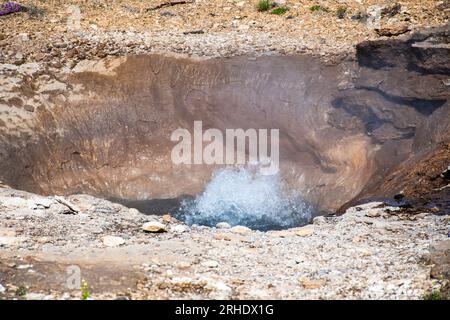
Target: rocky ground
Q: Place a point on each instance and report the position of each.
(49, 31)
(372, 252)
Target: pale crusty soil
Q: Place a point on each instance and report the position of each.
(371, 252)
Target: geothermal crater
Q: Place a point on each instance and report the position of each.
(345, 128)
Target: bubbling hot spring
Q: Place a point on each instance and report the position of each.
(345, 129)
(242, 197)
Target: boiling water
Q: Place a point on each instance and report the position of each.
(243, 197)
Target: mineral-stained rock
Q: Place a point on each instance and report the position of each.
(392, 30)
(133, 211)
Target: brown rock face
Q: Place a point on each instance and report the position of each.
(105, 128)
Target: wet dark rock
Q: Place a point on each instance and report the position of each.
(446, 173)
(399, 196)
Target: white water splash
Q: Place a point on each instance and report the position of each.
(241, 197)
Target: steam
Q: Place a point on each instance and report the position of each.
(243, 197)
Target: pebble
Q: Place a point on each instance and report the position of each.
(311, 284)
(154, 227)
(319, 220)
(223, 225)
(112, 241)
(133, 211)
(210, 264)
(178, 228)
(241, 230)
(305, 231)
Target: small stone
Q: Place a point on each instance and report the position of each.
(183, 265)
(166, 218)
(10, 241)
(391, 10)
(392, 30)
(356, 239)
(133, 211)
(154, 227)
(43, 202)
(305, 231)
(167, 14)
(2, 288)
(373, 213)
(194, 32)
(241, 230)
(311, 284)
(178, 228)
(435, 210)
(219, 289)
(223, 225)
(210, 264)
(34, 296)
(282, 233)
(223, 236)
(24, 37)
(72, 207)
(443, 5)
(231, 237)
(112, 241)
(43, 240)
(319, 220)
